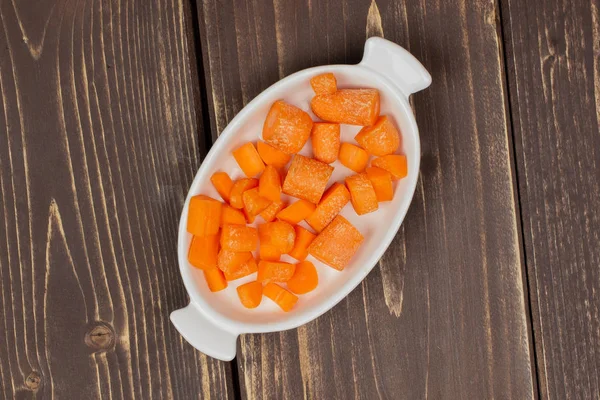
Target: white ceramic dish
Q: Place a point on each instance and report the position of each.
(213, 321)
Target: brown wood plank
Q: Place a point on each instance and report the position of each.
(445, 313)
(98, 145)
(553, 55)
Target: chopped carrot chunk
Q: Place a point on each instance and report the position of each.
(280, 296)
(305, 278)
(228, 261)
(395, 164)
(278, 235)
(223, 183)
(247, 268)
(296, 212)
(307, 178)
(232, 216)
(353, 157)
(254, 204)
(239, 238)
(272, 156)
(348, 106)
(304, 238)
(382, 183)
(238, 189)
(250, 294)
(269, 253)
(248, 159)
(334, 199)
(362, 194)
(274, 271)
(215, 279)
(204, 216)
(203, 251)
(326, 141)
(380, 139)
(269, 184)
(336, 245)
(324, 83)
(270, 212)
(287, 127)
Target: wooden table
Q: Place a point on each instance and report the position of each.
(491, 288)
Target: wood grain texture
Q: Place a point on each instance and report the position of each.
(98, 145)
(445, 313)
(553, 55)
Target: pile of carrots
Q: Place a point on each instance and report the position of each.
(223, 245)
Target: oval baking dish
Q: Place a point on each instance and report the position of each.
(213, 321)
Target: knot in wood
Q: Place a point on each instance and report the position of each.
(100, 337)
(33, 381)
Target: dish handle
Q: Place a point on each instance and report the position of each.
(204, 334)
(396, 64)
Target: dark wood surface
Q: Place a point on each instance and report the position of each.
(553, 59)
(490, 289)
(98, 145)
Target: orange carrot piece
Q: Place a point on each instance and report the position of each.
(324, 83)
(270, 212)
(287, 127)
(215, 279)
(334, 199)
(271, 156)
(395, 164)
(296, 212)
(269, 184)
(278, 235)
(382, 183)
(348, 106)
(204, 216)
(336, 245)
(238, 189)
(254, 204)
(304, 238)
(247, 268)
(326, 141)
(203, 251)
(280, 296)
(239, 238)
(232, 216)
(248, 159)
(362, 194)
(250, 294)
(380, 139)
(305, 278)
(307, 178)
(269, 253)
(223, 183)
(353, 157)
(274, 271)
(228, 261)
